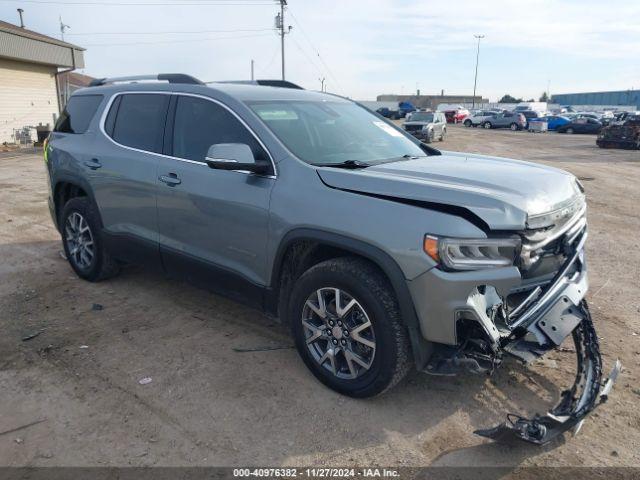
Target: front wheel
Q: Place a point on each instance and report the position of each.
(429, 137)
(443, 134)
(569, 131)
(487, 125)
(347, 327)
(468, 123)
(514, 127)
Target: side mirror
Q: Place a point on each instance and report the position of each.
(235, 156)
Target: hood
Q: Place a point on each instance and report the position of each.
(417, 122)
(500, 191)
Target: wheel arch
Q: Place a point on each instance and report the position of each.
(67, 187)
(302, 248)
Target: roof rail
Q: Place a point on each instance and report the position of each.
(265, 83)
(168, 77)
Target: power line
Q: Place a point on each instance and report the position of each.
(311, 61)
(174, 32)
(304, 34)
(172, 41)
(155, 4)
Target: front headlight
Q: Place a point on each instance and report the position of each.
(426, 127)
(472, 253)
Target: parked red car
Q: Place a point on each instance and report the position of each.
(456, 116)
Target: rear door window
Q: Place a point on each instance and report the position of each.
(77, 114)
(139, 120)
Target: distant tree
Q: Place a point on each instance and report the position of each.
(509, 99)
(531, 100)
(544, 97)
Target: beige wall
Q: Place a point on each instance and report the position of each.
(27, 97)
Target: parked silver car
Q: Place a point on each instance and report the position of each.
(514, 121)
(427, 126)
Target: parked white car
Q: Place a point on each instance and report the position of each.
(478, 118)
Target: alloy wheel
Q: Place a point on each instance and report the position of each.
(338, 333)
(79, 240)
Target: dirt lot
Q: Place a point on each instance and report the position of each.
(71, 396)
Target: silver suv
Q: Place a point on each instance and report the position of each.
(426, 126)
(377, 250)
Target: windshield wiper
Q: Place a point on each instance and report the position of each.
(349, 164)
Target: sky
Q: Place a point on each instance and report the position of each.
(363, 48)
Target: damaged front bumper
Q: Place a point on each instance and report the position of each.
(588, 391)
(491, 324)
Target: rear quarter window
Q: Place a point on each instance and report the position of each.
(78, 113)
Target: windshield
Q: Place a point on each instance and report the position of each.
(334, 132)
(422, 117)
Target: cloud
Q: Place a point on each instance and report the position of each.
(368, 47)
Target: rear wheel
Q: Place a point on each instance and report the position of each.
(443, 134)
(81, 241)
(347, 327)
(569, 131)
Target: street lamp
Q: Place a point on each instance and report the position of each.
(475, 81)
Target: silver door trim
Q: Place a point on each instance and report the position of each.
(107, 108)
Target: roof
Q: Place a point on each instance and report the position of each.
(24, 32)
(77, 79)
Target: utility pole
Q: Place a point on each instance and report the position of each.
(63, 27)
(283, 31)
(252, 69)
(475, 81)
(322, 83)
(20, 12)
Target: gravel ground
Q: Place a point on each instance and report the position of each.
(71, 396)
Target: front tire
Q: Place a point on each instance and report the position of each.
(347, 327)
(82, 243)
(514, 127)
(569, 131)
(443, 134)
(468, 123)
(487, 125)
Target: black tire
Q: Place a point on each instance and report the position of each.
(102, 265)
(569, 131)
(429, 137)
(443, 134)
(514, 127)
(468, 123)
(366, 284)
(487, 125)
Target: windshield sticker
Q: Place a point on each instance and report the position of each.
(388, 128)
(277, 114)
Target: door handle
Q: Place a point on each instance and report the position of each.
(93, 164)
(171, 179)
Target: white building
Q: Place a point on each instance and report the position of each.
(29, 90)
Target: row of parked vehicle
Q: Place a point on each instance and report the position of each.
(619, 130)
(566, 122)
